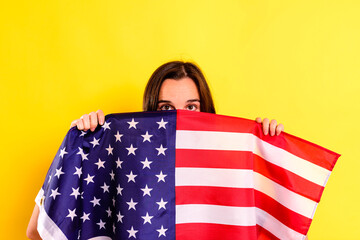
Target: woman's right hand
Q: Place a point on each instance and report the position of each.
(89, 121)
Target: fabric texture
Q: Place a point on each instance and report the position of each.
(182, 175)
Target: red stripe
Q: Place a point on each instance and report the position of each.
(245, 160)
(208, 231)
(288, 179)
(303, 149)
(237, 197)
(286, 216)
(242, 197)
(199, 121)
(213, 159)
(263, 234)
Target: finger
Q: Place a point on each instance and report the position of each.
(273, 124)
(100, 116)
(279, 129)
(73, 123)
(265, 125)
(80, 124)
(258, 119)
(86, 121)
(93, 121)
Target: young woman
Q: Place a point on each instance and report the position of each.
(174, 85)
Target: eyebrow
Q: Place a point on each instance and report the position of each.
(167, 101)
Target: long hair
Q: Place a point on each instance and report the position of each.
(177, 70)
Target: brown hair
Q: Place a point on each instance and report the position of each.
(177, 70)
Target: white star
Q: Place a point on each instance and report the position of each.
(75, 192)
(108, 212)
(161, 204)
(109, 149)
(132, 232)
(105, 188)
(146, 163)
(83, 155)
(112, 175)
(131, 150)
(81, 151)
(161, 150)
(106, 126)
(162, 124)
(118, 136)
(95, 142)
(147, 137)
(114, 228)
(100, 164)
(147, 218)
(78, 171)
(95, 201)
(72, 214)
(114, 201)
(62, 152)
(131, 204)
(132, 124)
(54, 193)
(118, 163)
(119, 217)
(89, 179)
(146, 190)
(82, 133)
(58, 172)
(119, 189)
(162, 231)
(131, 177)
(161, 177)
(101, 224)
(85, 216)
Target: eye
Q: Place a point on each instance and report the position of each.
(192, 107)
(166, 108)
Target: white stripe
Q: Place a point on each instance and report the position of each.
(241, 178)
(236, 178)
(214, 140)
(290, 162)
(235, 216)
(249, 142)
(274, 226)
(203, 213)
(45, 225)
(284, 196)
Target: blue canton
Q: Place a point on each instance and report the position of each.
(118, 181)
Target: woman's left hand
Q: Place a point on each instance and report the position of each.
(270, 126)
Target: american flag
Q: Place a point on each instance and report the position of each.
(182, 175)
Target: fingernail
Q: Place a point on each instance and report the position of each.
(92, 129)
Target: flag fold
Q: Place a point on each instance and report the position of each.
(182, 175)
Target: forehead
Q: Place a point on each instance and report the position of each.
(177, 90)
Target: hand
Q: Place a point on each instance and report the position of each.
(270, 126)
(89, 121)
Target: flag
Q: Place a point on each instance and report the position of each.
(182, 175)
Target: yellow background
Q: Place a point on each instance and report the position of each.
(295, 61)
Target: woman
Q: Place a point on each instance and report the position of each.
(174, 85)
